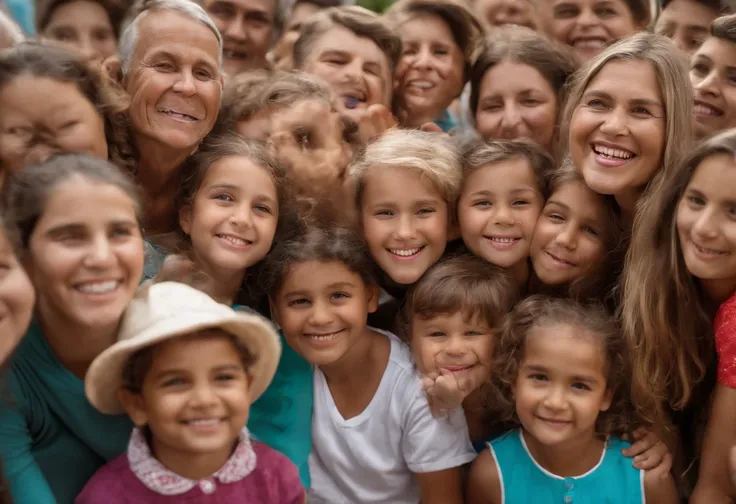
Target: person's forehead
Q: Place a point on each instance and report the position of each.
(341, 39)
(162, 27)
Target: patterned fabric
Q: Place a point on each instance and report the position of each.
(161, 480)
(724, 328)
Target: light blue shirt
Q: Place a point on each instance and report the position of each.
(612, 481)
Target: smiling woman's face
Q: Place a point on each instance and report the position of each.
(174, 81)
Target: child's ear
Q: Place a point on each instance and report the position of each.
(133, 405)
(185, 219)
(374, 294)
(607, 400)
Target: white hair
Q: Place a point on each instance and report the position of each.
(9, 30)
(129, 38)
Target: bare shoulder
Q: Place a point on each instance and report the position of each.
(484, 484)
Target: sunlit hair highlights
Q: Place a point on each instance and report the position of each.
(665, 319)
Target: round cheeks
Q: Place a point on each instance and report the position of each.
(322, 308)
(706, 223)
(571, 234)
(617, 131)
(195, 399)
(405, 222)
(498, 209)
(516, 101)
(233, 217)
(561, 386)
(85, 261)
(455, 343)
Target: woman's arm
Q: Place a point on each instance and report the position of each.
(714, 484)
(660, 490)
(484, 486)
(27, 482)
(441, 487)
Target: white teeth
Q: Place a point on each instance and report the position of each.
(708, 251)
(229, 54)
(612, 153)
(421, 84)
(323, 337)
(501, 239)
(234, 240)
(205, 422)
(705, 110)
(405, 252)
(178, 115)
(99, 287)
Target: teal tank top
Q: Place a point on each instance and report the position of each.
(612, 481)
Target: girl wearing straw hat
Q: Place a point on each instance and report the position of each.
(186, 370)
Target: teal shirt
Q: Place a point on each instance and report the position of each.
(612, 481)
(282, 416)
(51, 439)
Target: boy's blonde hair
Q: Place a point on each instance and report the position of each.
(431, 155)
(674, 85)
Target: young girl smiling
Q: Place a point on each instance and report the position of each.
(186, 369)
(561, 371)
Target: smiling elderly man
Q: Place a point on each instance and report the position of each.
(171, 62)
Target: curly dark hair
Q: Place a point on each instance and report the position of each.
(590, 319)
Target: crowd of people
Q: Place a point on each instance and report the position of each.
(476, 251)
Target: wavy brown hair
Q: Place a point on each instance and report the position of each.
(665, 315)
(674, 85)
(588, 320)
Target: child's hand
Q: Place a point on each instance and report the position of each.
(649, 452)
(445, 392)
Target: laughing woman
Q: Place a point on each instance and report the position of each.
(85, 262)
(625, 140)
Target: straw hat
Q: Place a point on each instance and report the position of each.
(166, 310)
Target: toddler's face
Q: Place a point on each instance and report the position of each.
(455, 342)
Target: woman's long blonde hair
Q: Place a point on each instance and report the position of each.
(664, 314)
(674, 84)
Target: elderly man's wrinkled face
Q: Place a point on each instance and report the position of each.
(246, 27)
(174, 80)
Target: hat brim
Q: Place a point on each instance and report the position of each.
(104, 377)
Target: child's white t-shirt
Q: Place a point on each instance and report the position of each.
(371, 457)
